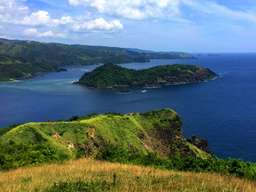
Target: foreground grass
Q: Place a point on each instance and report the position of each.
(90, 175)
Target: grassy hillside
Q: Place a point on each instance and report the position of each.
(153, 139)
(109, 136)
(114, 76)
(87, 175)
(23, 59)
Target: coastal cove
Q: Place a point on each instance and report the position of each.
(209, 110)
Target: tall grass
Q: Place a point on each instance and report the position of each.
(116, 177)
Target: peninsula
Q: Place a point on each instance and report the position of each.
(26, 59)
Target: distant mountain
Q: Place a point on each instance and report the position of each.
(116, 77)
(24, 59)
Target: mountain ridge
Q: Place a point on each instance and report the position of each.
(155, 132)
(29, 58)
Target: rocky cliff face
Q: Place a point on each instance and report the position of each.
(200, 143)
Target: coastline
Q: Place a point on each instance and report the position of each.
(38, 74)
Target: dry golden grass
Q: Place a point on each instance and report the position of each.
(128, 177)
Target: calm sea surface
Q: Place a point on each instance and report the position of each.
(223, 111)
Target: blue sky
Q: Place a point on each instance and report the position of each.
(168, 25)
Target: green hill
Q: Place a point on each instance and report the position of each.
(152, 138)
(115, 77)
(12, 68)
(101, 136)
(23, 59)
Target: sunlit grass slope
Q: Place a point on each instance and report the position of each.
(91, 175)
(151, 139)
(109, 136)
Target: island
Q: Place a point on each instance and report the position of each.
(112, 76)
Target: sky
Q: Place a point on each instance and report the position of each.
(161, 25)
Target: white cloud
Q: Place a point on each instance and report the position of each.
(11, 10)
(133, 9)
(16, 12)
(75, 2)
(68, 23)
(64, 20)
(33, 32)
(42, 17)
(38, 18)
(163, 9)
(97, 24)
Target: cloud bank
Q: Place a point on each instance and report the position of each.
(76, 19)
(17, 13)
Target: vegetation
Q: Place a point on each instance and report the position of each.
(116, 77)
(12, 68)
(24, 59)
(87, 175)
(133, 135)
(153, 139)
(80, 186)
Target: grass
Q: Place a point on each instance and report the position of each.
(91, 175)
(199, 153)
(89, 136)
(80, 186)
(152, 139)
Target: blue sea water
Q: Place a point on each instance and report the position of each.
(223, 111)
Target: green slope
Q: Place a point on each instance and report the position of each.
(153, 138)
(12, 68)
(133, 135)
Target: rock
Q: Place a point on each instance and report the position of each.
(200, 143)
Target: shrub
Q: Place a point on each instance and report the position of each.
(80, 186)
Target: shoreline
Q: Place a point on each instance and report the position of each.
(30, 76)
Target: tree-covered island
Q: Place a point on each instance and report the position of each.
(112, 76)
